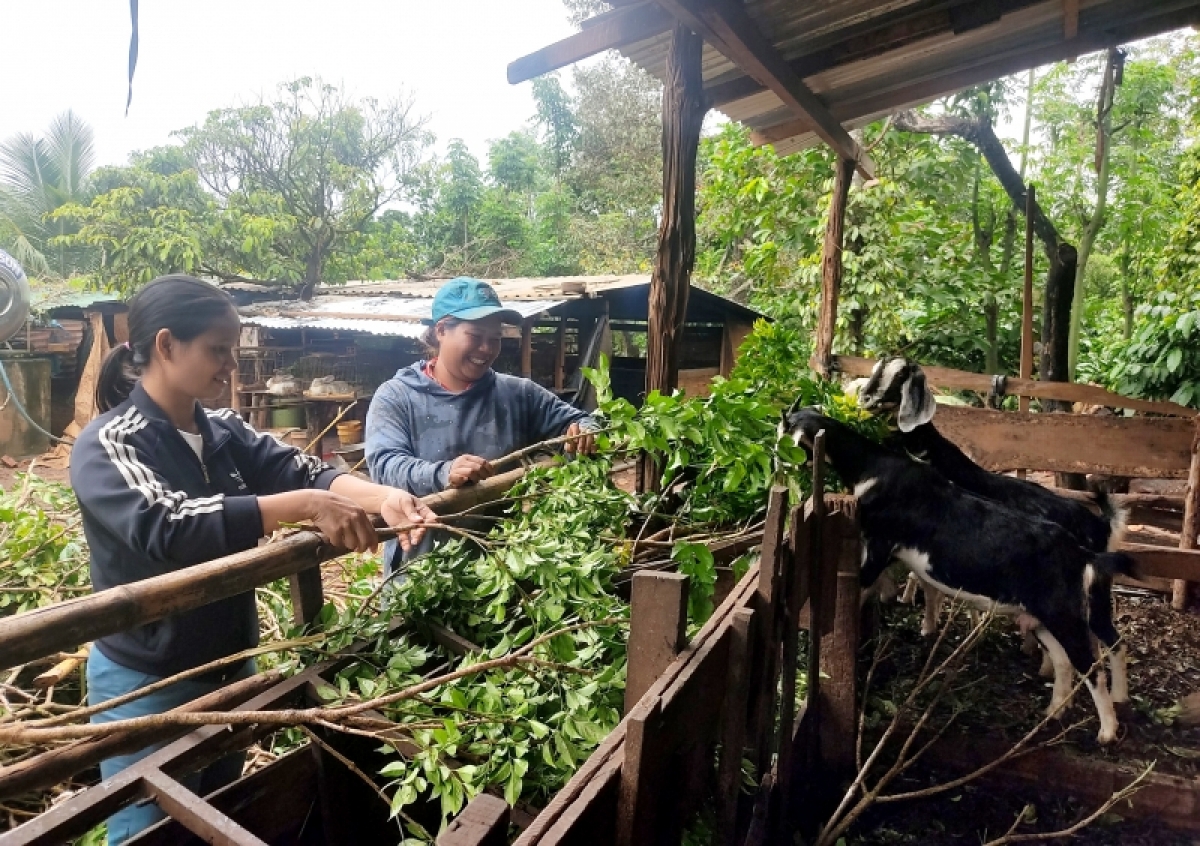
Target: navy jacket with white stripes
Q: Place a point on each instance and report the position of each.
(150, 506)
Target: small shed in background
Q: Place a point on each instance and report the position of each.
(361, 333)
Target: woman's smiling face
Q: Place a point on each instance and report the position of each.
(468, 349)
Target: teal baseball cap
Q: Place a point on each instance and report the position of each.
(470, 299)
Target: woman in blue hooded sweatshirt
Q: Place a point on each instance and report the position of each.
(437, 423)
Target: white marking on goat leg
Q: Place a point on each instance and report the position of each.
(862, 487)
(1063, 671)
(1104, 708)
(933, 610)
(910, 589)
(1046, 670)
(1120, 676)
(1089, 576)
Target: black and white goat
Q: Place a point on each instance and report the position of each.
(898, 386)
(988, 555)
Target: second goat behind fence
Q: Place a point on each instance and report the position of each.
(980, 551)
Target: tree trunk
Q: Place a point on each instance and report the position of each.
(831, 263)
(312, 272)
(683, 114)
(1104, 135)
(991, 316)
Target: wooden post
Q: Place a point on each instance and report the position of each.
(733, 726)
(642, 775)
(484, 822)
(1056, 314)
(839, 649)
(682, 116)
(657, 629)
(560, 354)
(308, 595)
(196, 815)
(767, 648)
(527, 348)
(1191, 519)
(831, 264)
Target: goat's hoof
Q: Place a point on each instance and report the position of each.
(928, 632)
(1106, 737)
(1046, 670)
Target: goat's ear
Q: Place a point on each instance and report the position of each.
(916, 403)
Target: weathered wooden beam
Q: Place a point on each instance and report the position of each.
(65, 625)
(961, 380)
(1164, 562)
(610, 31)
(683, 115)
(725, 25)
(307, 595)
(734, 714)
(199, 817)
(1070, 19)
(1026, 371)
(527, 348)
(1139, 447)
(768, 647)
(657, 629)
(484, 822)
(1097, 36)
(831, 263)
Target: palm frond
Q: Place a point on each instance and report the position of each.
(72, 148)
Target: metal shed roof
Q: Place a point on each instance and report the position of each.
(866, 58)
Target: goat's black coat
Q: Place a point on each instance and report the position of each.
(907, 389)
(973, 544)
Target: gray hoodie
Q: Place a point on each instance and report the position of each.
(416, 428)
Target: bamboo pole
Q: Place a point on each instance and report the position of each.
(65, 625)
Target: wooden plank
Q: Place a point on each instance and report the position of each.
(1191, 519)
(1101, 34)
(484, 822)
(793, 590)
(200, 818)
(1144, 447)
(611, 749)
(1070, 19)
(560, 354)
(273, 802)
(961, 380)
(591, 819)
(765, 667)
(839, 649)
(641, 778)
(1164, 562)
(657, 624)
(733, 726)
(610, 31)
(1174, 800)
(831, 262)
(308, 595)
(726, 26)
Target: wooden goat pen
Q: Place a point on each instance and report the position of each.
(320, 793)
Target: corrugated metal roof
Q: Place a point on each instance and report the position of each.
(519, 288)
(866, 59)
(47, 296)
(404, 315)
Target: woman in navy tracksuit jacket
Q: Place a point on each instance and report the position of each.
(163, 483)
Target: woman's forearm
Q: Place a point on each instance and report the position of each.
(369, 496)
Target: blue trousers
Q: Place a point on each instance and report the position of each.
(106, 680)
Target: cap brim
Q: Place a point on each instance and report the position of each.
(480, 312)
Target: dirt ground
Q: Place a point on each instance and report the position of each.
(1005, 698)
(7, 474)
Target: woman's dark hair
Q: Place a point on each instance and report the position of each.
(185, 305)
(429, 337)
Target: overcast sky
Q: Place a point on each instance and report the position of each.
(198, 55)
